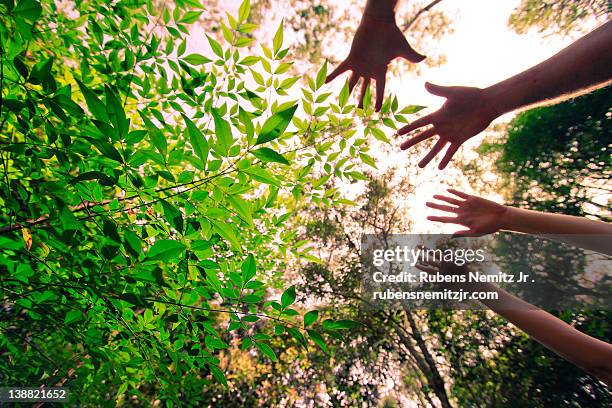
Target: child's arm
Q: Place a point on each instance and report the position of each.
(482, 216)
(586, 352)
(589, 353)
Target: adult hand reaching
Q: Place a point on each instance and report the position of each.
(465, 113)
(479, 215)
(581, 67)
(377, 42)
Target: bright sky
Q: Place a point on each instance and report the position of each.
(481, 50)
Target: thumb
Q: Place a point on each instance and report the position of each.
(439, 90)
(410, 54)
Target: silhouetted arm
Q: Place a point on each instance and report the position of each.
(586, 352)
(584, 65)
(482, 216)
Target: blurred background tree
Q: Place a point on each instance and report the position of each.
(557, 158)
(557, 16)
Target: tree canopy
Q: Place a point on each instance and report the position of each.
(557, 158)
(147, 191)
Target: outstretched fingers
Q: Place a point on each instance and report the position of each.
(458, 193)
(418, 138)
(364, 87)
(464, 233)
(432, 153)
(448, 199)
(340, 69)
(380, 91)
(441, 207)
(353, 79)
(420, 122)
(450, 152)
(443, 91)
(408, 53)
(446, 220)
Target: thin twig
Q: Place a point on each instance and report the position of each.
(425, 9)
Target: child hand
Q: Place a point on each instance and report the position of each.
(479, 215)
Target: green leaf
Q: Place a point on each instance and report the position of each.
(41, 71)
(21, 67)
(95, 105)
(275, 125)
(241, 207)
(250, 60)
(218, 374)
(311, 317)
(223, 133)
(277, 42)
(133, 242)
(298, 336)
(367, 98)
(158, 139)
(213, 280)
(165, 250)
(28, 10)
(321, 75)
(196, 59)
(344, 94)
(347, 324)
(106, 149)
(289, 82)
(262, 175)
(244, 10)
(226, 232)
(245, 119)
(340, 324)
(190, 17)
(380, 135)
(73, 316)
(251, 299)
(198, 140)
(94, 175)
(317, 338)
(248, 268)
(115, 111)
(213, 343)
(266, 154)
(134, 299)
(288, 297)
(412, 109)
(282, 68)
(367, 159)
(173, 215)
(267, 350)
(216, 47)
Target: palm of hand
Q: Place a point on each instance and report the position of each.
(479, 215)
(465, 113)
(375, 45)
